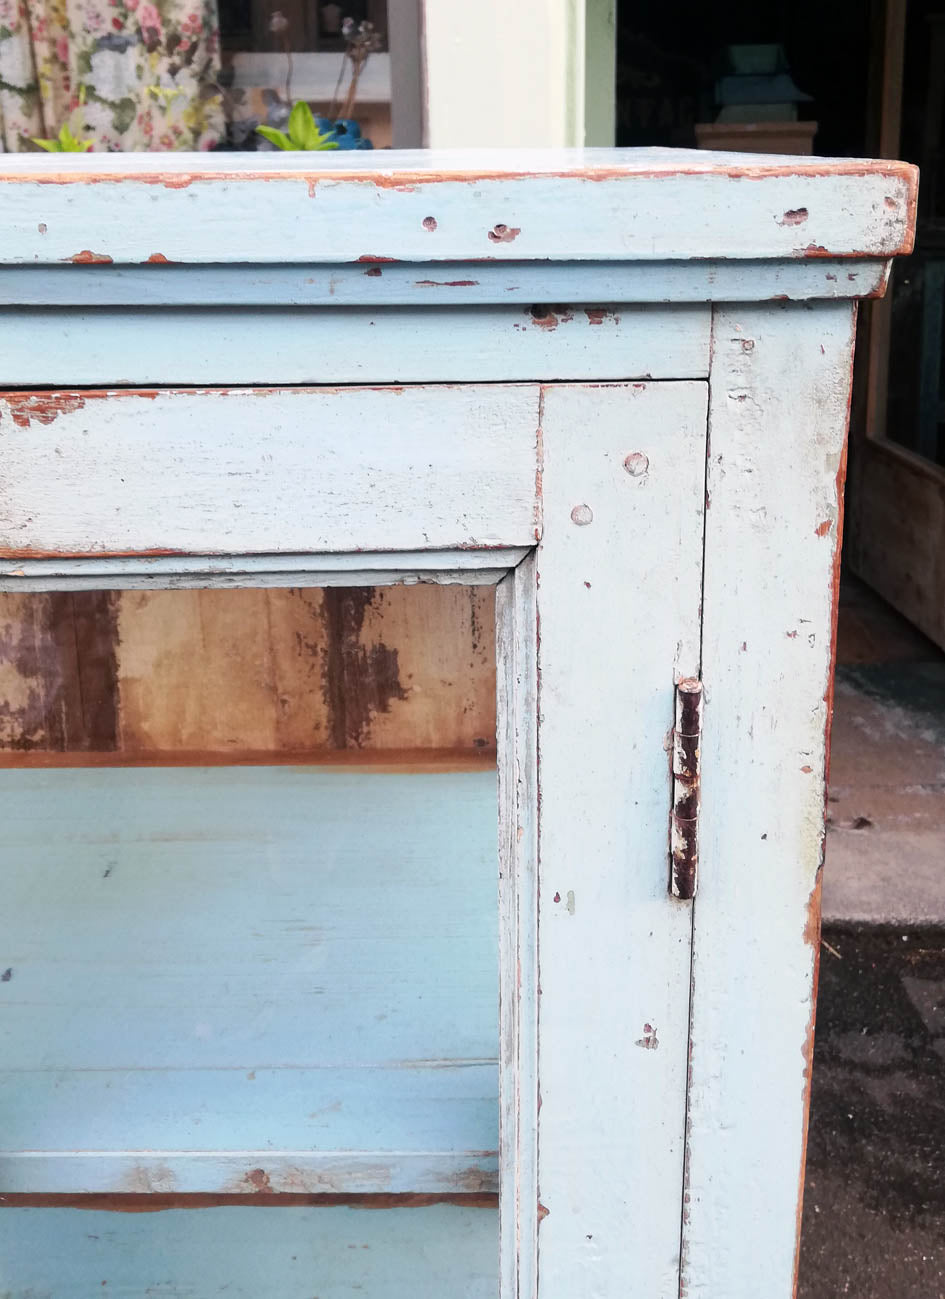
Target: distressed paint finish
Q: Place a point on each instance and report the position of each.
(267, 470)
(182, 572)
(519, 990)
(301, 673)
(282, 973)
(600, 520)
(290, 346)
(439, 284)
(583, 205)
(618, 596)
(777, 426)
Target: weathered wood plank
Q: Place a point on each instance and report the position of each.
(180, 345)
(898, 538)
(619, 573)
(437, 284)
(268, 470)
(58, 675)
(216, 972)
(187, 572)
(361, 1170)
(610, 205)
(295, 1252)
(519, 991)
(778, 413)
(223, 674)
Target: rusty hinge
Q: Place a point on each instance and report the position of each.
(684, 830)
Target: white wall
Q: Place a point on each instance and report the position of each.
(513, 72)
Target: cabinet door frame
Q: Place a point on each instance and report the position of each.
(617, 484)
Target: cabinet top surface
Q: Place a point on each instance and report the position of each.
(433, 165)
(475, 205)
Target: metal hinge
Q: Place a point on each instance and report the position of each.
(684, 828)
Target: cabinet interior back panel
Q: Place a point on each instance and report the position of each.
(239, 979)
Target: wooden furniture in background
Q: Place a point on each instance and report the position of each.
(897, 533)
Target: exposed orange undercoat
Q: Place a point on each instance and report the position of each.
(88, 258)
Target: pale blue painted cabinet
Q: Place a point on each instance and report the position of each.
(343, 1021)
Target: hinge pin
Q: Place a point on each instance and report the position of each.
(684, 831)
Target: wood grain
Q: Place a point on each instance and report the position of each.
(268, 470)
(439, 284)
(424, 343)
(898, 544)
(239, 979)
(58, 672)
(619, 576)
(236, 675)
(593, 205)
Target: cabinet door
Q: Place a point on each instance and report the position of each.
(594, 628)
(593, 529)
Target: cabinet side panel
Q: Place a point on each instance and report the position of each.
(619, 587)
(780, 390)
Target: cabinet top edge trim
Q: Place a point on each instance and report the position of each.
(431, 166)
(495, 206)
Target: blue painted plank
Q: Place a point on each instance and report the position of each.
(437, 284)
(295, 961)
(522, 205)
(438, 1252)
(57, 347)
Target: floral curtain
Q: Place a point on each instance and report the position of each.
(122, 74)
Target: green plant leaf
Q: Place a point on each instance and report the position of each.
(303, 132)
(68, 143)
(51, 146)
(278, 138)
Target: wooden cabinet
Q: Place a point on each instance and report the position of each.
(278, 441)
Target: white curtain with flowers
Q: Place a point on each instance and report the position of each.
(121, 74)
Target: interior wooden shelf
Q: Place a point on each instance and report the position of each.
(245, 981)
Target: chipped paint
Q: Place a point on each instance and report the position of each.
(88, 258)
(794, 217)
(598, 315)
(410, 179)
(649, 1041)
(503, 234)
(812, 941)
(162, 1201)
(44, 407)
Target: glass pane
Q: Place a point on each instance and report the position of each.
(249, 938)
